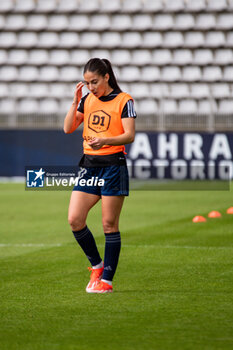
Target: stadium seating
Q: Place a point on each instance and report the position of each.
(225, 21)
(196, 6)
(150, 74)
(79, 57)
(173, 39)
(28, 73)
(205, 22)
(141, 57)
(161, 57)
(170, 74)
(66, 6)
(7, 39)
(220, 90)
(27, 40)
(19, 90)
(152, 6)
(8, 73)
(4, 90)
(141, 22)
(49, 105)
(225, 107)
(102, 53)
(17, 57)
(121, 23)
(140, 90)
(205, 107)
(8, 105)
(48, 74)
(112, 6)
(212, 73)
(229, 40)
(15, 22)
(121, 57)
(47, 40)
(3, 57)
(172, 56)
(223, 57)
(217, 5)
(28, 106)
(182, 57)
(194, 39)
(228, 73)
(184, 22)
(59, 57)
(88, 6)
(36, 22)
(129, 6)
(38, 90)
(43, 6)
(199, 90)
(168, 106)
(187, 106)
(203, 57)
(131, 40)
(151, 40)
(147, 106)
(57, 23)
(78, 23)
(38, 57)
(156, 90)
(178, 91)
(6, 6)
(191, 74)
(67, 40)
(99, 23)
(174, 6)
(25, 6)
(163, 22)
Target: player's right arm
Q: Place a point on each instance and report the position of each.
(74, 118)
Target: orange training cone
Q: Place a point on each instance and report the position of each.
(199, 218)
(230, 210)
(214, 214)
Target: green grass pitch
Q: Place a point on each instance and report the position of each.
(173, 288)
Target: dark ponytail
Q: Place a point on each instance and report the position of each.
(102, 67)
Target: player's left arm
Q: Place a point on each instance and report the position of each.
(123, 139)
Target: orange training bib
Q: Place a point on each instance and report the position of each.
(103, 119)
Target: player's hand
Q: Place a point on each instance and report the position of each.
(78, 92)
(96, 143)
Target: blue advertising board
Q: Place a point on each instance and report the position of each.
(178, 156)
(152, 155)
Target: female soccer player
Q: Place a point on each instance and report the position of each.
(108, 115)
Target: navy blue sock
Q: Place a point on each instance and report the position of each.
(86, 241)
(111, 256)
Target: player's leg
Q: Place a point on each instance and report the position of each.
(80, 204)
(111, 209)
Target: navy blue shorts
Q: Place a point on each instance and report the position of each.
(111, 180)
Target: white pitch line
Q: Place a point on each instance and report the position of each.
(173, 246)
(44, 245)
(29, 245)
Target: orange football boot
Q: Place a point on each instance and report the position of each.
(100, 287)
(96, 275)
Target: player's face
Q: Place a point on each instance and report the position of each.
(97, 84)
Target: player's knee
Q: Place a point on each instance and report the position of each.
(109, 225)
(76, 223)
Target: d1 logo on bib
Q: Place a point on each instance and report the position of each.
(99, 121)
